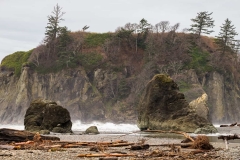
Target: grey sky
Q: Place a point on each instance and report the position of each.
(23, 22)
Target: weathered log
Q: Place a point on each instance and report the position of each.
(106, 155)
(11, 135)
(177, 132)
(229, 137)
(233, 124)
(120, 144)
(108, 158)
(140, 147)
(224, 125)
(182, 145)
(197, 151)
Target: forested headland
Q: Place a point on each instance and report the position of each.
(116, 66)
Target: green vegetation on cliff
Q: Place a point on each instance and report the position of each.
(129, 46)
(15, 61)
(96, 39)
(199, 60)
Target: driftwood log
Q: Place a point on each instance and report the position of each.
(228, 137)
(200, 142)
(231, 125)
(11, 135)
(177, 132)
(139, 147)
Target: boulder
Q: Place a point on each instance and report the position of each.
(47, 115)
(92, 130)
(206, 130)
(200, 106)
(163, 107)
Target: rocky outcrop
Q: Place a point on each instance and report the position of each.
(111, 95)
(164, 107)
(47, 115)
(199, 105)
(69, 88)
(221, 89)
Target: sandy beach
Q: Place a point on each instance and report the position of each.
(71, 154)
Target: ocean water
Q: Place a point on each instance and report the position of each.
(132, 129)
(78, 126)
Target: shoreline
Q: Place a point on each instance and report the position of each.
(71, 153)
(132, 137)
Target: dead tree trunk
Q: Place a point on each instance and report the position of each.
(21, 135)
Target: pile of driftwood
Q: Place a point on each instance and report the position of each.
(198, 147)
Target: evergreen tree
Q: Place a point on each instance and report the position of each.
(225, 38)
(142, 33)
(53, 28)
(63, 38)
(144, 25)
(202, 23)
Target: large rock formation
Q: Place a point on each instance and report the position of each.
(47, 115)
(200, 106)
(70, 88)
(111, 95)
(164, 107)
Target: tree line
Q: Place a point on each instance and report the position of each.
(162, 38)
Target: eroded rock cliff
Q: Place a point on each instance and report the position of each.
(222, 94)
(70, 88)
(107, 95)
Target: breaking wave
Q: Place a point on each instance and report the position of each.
(102, 127)
(106, 127)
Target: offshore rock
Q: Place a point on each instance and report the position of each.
(92, 130)
(163, 107)
(47, 115)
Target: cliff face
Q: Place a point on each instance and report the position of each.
(222, 94)
(224, 101)
(70, 88)
(110, 96)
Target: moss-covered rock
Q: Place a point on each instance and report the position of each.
(47, 115)
(92, 130)
(163, 107)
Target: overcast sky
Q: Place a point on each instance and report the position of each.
(23, 22)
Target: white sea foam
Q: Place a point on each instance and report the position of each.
(102, 127)
(105, 127)
(12, 126)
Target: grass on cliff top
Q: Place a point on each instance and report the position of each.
(15, 61)
(89, 61)
(96, 39)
